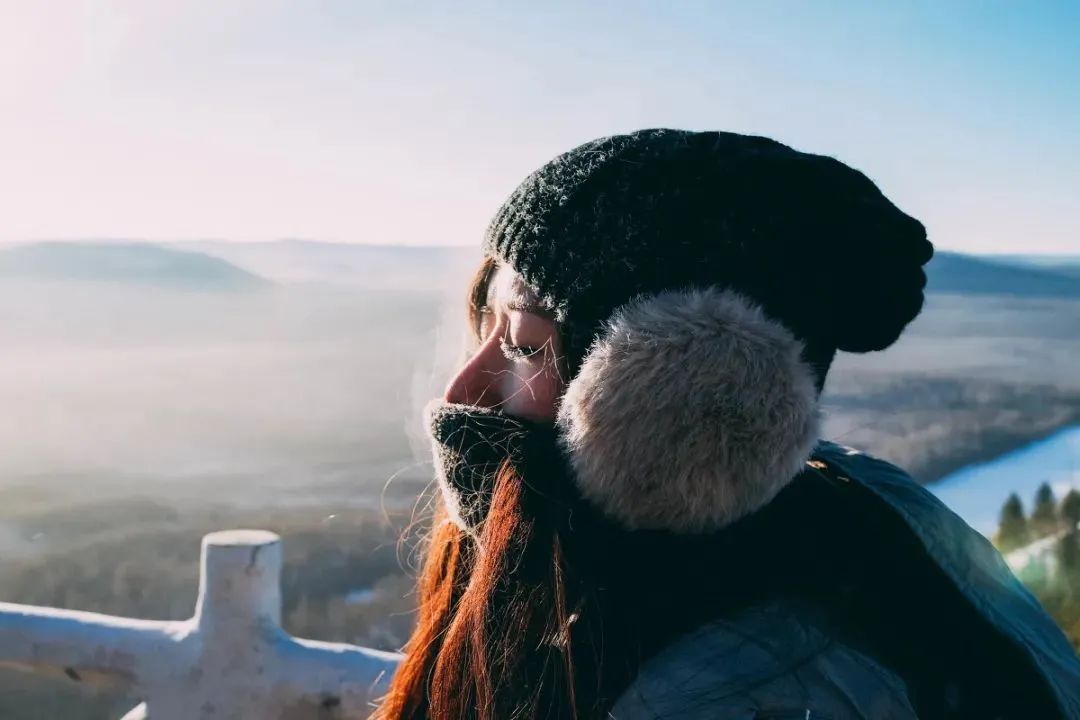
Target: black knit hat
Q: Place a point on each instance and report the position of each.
(811, 240)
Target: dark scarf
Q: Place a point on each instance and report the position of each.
(470, 444)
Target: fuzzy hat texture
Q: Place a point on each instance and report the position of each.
(703, 282)
(810, 239)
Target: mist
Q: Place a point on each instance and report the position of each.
(288, 388)
(295, 372)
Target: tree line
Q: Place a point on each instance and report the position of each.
(1048, 517)
(1055, 577)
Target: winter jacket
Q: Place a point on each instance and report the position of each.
(953, 610)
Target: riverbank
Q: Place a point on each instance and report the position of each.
(977, 492)
(994, 444)
(935, 426)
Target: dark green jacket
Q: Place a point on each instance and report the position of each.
(938, 625)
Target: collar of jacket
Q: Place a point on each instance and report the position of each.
(692, 409)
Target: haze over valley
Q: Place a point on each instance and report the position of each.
(272, 372)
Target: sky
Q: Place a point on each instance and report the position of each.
(405, 122)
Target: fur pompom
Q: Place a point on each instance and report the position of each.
(692, 410)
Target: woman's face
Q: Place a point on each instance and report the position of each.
(515, 365)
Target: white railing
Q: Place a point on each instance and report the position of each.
(231, 660)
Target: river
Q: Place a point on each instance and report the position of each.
(977, 492)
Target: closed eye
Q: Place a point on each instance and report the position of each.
(518, 352)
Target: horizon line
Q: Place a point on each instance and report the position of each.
(120, 240)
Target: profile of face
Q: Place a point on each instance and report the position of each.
(515, 365)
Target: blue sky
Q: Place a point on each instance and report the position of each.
(408, 122)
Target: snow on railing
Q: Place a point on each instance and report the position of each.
(231, 660)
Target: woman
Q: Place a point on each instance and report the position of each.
(637, 519)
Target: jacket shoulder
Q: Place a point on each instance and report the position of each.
(978, 578)
(767, 663)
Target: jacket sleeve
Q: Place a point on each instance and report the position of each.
(766, 664)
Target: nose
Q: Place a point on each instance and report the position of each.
(478, 381)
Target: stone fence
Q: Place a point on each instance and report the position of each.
(230, 660)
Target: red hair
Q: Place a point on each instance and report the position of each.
(492, 639)
(493, 635)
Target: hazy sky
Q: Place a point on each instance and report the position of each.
(407, 122)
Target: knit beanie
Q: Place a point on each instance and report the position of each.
(812, 241)
(702, 282)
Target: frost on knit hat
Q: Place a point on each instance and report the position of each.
(811, 240)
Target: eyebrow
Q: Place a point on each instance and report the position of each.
(522, 299)
(528, 306)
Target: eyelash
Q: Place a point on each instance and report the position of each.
(517, 352)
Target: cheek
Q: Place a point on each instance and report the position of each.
(552, 388)
(533, 394)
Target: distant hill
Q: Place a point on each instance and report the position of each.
(967, 274)
(417, 268)
(368, 266)
(238, 265)
(129, 263)
(1062, 264)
